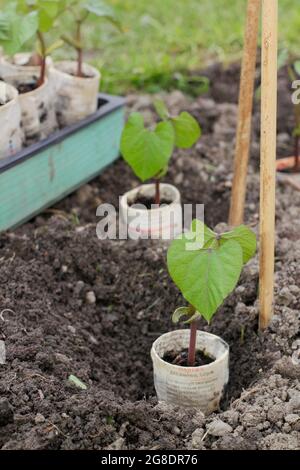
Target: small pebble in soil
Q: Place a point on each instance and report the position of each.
(197, 439)
(90, 298)
(181, 358)
(6, 412)
(39, 419)
(218, 428)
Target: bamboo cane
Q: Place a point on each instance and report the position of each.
(268, 158)
(243, 135)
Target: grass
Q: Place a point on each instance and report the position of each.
(164, 40)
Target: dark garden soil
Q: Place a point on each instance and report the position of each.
(27, 87)
(148, 203)
(72, 304)
(180, 358)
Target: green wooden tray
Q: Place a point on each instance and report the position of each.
(44, 173)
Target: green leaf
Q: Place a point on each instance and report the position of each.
(19, 29)
(297, 67)
(205, 276)
(179, 313)
(201, 233)
(102, 10)
(187, 130)
(77, 382)
(283, 56)
(147, 151)
(161, 109)
(246, 239)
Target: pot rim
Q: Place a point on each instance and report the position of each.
(29, 68)
(193, 369)
(85, 64)
(14, 99)
(175, 202)
(36, 90)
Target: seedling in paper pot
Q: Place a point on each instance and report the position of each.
(81, 11)
(148, 151)
(207, 274)
(24, 19)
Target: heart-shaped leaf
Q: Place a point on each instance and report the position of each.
(147, 151)
(18, 30)
(205, 276)
(161, 109)
(297, 67)
(187, 130)
(102, 10)
(246, 239)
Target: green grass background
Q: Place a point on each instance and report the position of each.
(166, 39)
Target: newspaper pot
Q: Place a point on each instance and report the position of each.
(44, 173)
(76, 96)
(38, 105)
(164, 222)
(191, 387)
(10, 118)
(16, 68)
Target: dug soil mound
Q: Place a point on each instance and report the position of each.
(72, 304)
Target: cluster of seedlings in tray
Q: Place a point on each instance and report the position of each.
(52, 95)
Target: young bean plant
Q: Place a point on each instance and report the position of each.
(148, 151)
(81, 11)
(24, 19)
(206, 267)
(47, 12)
(16, 29)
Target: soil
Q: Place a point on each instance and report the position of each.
(149, 202)
(180, 358)
(72, 304)
(26, 87)
(84, 75)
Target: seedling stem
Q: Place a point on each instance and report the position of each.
(157, 192)
(43, 52)
(192, 346)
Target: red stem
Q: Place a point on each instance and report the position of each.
(297, 162)
(79, 51)
(157, 192)
(41, 80)
(192, 346)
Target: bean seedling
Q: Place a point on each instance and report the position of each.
(148, 151)
(81, 11)
(206, 267)
(24, 19)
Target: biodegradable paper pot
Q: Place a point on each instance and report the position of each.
(10, 119)
(191, 387)
(15, 70)
(38, 112)
(37, 106)
(162, 223)
(76, 96)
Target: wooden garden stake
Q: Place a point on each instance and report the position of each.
(268, 158)
(243, 134)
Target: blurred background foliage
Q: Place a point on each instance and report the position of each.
(165, 40)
